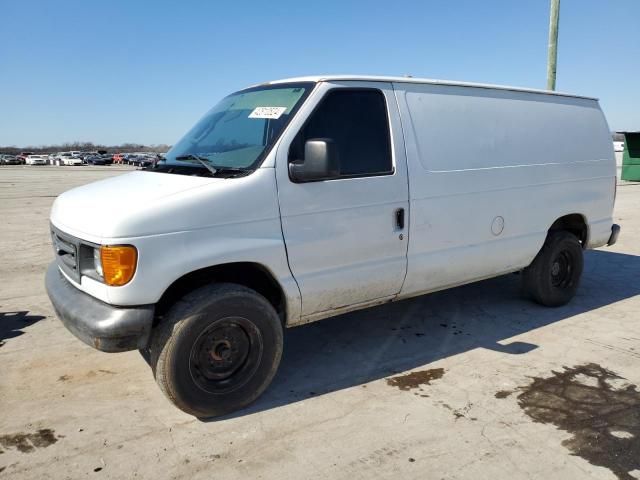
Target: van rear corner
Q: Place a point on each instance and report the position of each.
(603, 233)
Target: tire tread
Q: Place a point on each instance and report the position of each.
(167, 332)
(534, 278)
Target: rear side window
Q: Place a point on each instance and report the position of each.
(356, 120)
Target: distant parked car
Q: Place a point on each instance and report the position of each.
(135, 159)
(618, 146)
(127, 158)
(132, 159)
(85, 155)
(98, 160)
(118, 158)
(67, 158)
(94, 153)
(36, 160)
(22, 156)
(9, 160)
(139, 159)
(148, 161)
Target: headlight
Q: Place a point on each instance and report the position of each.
(97, 262)
(118, 264)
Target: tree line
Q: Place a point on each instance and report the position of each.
(86, 147)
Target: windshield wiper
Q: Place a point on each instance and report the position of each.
(201, 160)
(214, 169)
(221, 168)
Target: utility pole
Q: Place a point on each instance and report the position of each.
(552, 58)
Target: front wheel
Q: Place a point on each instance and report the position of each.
(554, 275)
(217, 349)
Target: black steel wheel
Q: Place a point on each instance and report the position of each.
(553, 277)
(226, 355)
(561, 270)
(217, 349)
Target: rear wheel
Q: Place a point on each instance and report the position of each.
(217, 350)
(554, 275)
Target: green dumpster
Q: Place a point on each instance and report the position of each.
(631, 157)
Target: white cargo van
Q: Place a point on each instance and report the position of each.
(302, 199)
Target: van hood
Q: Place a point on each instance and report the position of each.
(113, 207)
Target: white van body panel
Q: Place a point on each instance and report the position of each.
(343, 245)
(124, 206)
(179, 224)
(490, 171)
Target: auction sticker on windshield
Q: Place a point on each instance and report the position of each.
(267, 112)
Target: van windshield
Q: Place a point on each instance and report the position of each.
(239, 131)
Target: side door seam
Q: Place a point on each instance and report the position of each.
(408, 216)
(286, 250)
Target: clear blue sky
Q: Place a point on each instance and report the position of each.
(144, 71)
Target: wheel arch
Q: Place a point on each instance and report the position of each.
(575, 223)
(249, 274)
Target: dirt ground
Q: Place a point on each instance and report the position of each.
(474, 382)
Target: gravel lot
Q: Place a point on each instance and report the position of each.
(474, 382)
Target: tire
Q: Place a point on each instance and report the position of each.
(217, 349)
(553, 277)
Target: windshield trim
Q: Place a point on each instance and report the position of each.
(308, 88)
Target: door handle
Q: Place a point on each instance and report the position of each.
(400, 218)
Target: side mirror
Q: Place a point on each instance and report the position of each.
(321, 161)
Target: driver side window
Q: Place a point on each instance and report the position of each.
(357, 122)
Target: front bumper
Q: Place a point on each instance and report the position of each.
(102, 326)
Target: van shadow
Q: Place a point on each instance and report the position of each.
(12, 323)
(363, 346)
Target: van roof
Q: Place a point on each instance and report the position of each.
(431, 81)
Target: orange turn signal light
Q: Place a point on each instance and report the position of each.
(118, 264)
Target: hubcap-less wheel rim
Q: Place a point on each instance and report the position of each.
(562, 270)
(225, 355)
